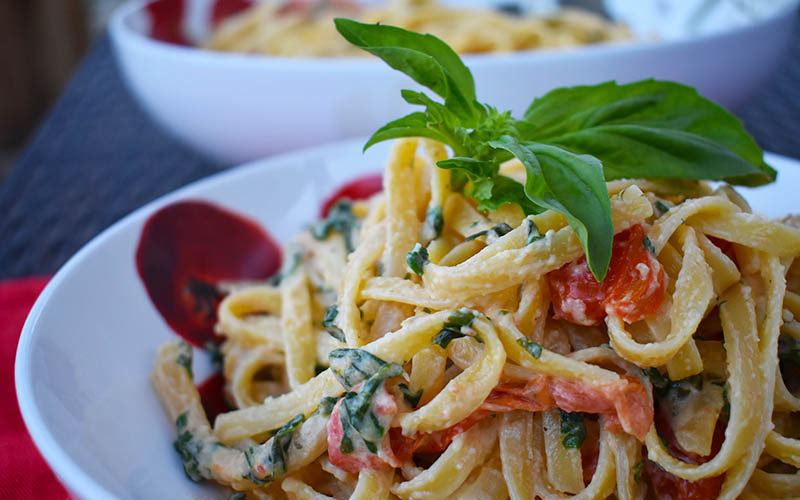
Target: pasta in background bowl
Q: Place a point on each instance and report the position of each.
(87, 348)
(239, 107)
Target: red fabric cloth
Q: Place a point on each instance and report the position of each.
(24, 475)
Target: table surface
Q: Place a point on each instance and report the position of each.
(97, 157)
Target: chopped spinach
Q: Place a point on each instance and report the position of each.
(357, 419)
(533, 232)
(189, 448)
(532, 347)
(412, 398)
(494, 232)
(417, 258)
(573, 429)
(341, 219)
(288, 267)
(328, 322)
(661, 208)
(353, 366)
(184, 357)
(451, 329)
(658, 379)
(434, 223)
(649, 246)
(326, 405)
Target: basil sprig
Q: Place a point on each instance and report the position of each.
(570, 140)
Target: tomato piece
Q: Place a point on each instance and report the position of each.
(666, 486)
(625, 402)
(633, 289)
(577, 296)
(358, 189)
(186, 249)
(636, 282)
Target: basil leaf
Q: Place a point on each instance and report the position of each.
(573, 429)
(341, 219)
(649, 246)
(326, 405)
(328, 322)
(417, 258)
(426, 59)
(497, 231)
(649, 128)
(353, 366)
(451, 329)
(355, 414)
(412, 125)
(412, 398)
(532, 347)
(184, 357)
(434, 223)
(573, 185)
(533, 232)
(278, 456)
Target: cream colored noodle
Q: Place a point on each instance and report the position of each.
(273, 27)
(726, 315)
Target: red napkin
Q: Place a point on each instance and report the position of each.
(24, 475)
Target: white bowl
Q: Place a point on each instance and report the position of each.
(87, 347)
(239, 107)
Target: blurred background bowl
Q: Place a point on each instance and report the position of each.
(239, 107)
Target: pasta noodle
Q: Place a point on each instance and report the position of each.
(304, 29)
(469, 373)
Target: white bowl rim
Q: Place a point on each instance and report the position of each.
(68, 471)
(123, 33)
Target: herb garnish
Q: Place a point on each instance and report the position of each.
(532, 347)
(328, 322)
(451, 329)
(412, 398)
(340, 218)
(494, 232)
(326, 405)
(184, 357)
(351, 367)
(649, 246)
(533, 232)
(570, 141)
(661, 208)
(434, 223)
(573, 429)
(188, 449)
(417, 258)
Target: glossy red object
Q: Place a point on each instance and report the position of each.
(186, 249)
(636, 281)
(358, 189)
(666, 486)
(166, 21)
(212, 396)
(633, 289)
(225, 8)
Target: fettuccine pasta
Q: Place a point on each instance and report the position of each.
(300, 28)
(418, 348)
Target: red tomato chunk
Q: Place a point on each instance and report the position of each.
(634, 287)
